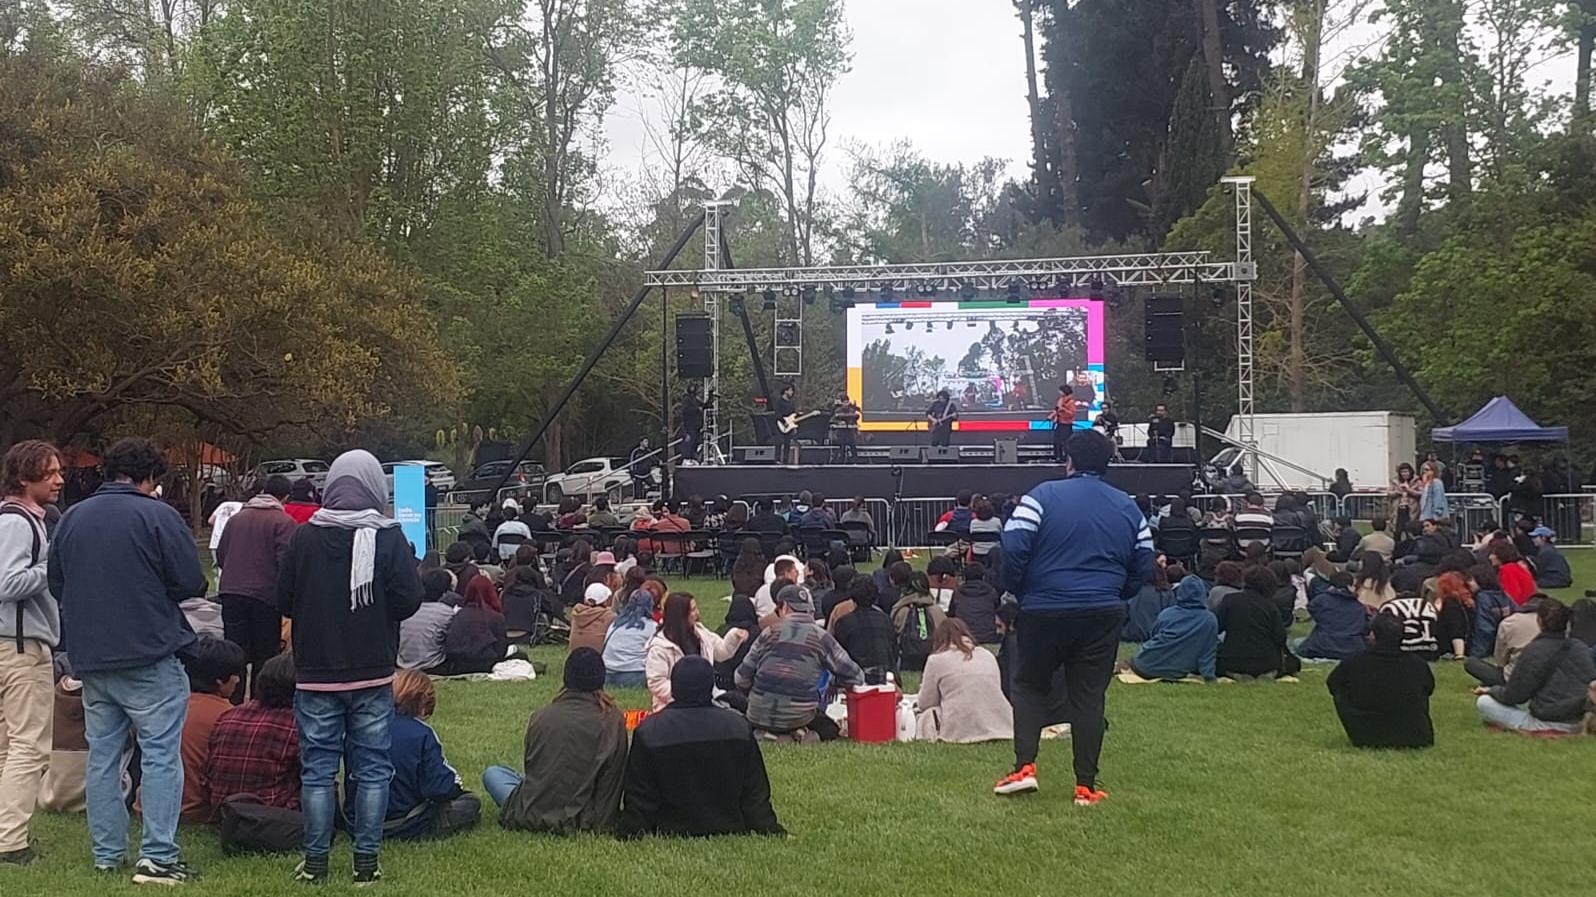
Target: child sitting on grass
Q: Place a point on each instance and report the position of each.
(426, 798)
(214, 668)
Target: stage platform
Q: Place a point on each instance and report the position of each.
(917, 480)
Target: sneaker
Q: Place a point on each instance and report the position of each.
(304, 875)
(20, 857)
(1087, 797)
(149, 872)
(1017, 782)
(367, 877)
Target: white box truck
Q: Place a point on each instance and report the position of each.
(1369, 444)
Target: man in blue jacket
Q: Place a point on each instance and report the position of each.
(120, 563)
(1074, 550)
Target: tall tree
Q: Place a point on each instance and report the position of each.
(1213, 57)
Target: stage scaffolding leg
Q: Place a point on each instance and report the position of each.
(1245, 273)
(714, 214)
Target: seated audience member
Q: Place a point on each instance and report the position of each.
(1382, 695)
(1178, 525)
(870, 640)
(850, 602)
(626, 641)
(941, 581)
(1286, 595)
(1253, 515)
(1511, 572)
(1454, 614)
(477, 638)
(1517, 629)
(985, 523)
(1378, 541)
(782, 672)
(1583, 625)
(1229, 578)
(961, 694)
(1347, 541)
(1372, 585)
(1551, 568)
(1549, 689)
(513, 532)
(252, 765)
(842, 579)
(785, 570)
(1340, 621)
(575, 759)
(975, 603)
(915, 619)
(1491, 607)
(421, 636)
(681, 635)
(1185, 637)
(883, 574)
(1142, 610)
(489, 565)
(590, 620)
(214, 668)
(524, 598)
(1418, 618)
(817, 516)
(1255, 631)
(602, 517)
(817, 576)
(958, 519)
(748, 570)
(457, 559)
(426, 798)
(765, 519)
(694, 769)
(740, 615)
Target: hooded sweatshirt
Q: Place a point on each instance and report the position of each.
(1185, 637)
(24, 592)
(976, 603)
(1339, 621)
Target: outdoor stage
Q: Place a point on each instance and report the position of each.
(911, 480)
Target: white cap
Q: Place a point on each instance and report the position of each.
(597, 593)
(511, 504)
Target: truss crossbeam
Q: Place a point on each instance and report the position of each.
(1142, 269)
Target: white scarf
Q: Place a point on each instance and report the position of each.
(363, 562)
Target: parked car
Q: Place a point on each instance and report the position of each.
(588, 478)
(293, 468)
(476, 488)
(442, 476)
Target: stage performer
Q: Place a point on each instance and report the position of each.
(1063, 418)
(939, 416)
(785, 406)
(844, 429)
(692, 417)
(1073, 551)
(1160, 436)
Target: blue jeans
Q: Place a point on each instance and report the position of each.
(152, 701)
(1519, 719)
(351, 726)
(621, 679)
(499, 781)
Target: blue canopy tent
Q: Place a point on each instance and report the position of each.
(1499, 421)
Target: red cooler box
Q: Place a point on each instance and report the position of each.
(873, 713)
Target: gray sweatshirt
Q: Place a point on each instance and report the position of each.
(23, 583)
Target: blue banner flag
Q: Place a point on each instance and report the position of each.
(410, 504)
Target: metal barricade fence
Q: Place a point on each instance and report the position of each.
(443, 523)
(1368, 505)
(1571, 516)
(914, 518)
(1472, 512)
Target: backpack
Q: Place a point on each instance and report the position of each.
(33, 529)
(914, 638)
(249, 826)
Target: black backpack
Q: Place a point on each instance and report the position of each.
(914, 638)
(37, 547)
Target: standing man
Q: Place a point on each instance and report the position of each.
(348, 580)
(121, 562)
(1074, 550)
(785, 406)
(692, 417)
(251, 548)
(641, 464)
(939, 417)
(1063, 418)
(1160, 436)
(31, 625)
(845, 429)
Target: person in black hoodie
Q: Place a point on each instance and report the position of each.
(1255, 630)
(695, 769)
(1383, 694)
(976, 602)
(347, 581)
(741, 615)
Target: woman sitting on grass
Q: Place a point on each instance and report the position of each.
(626, 642)
(425, 798)
(681, 635)
(1143, 608)
(961, 695)
(1185, 637)
(1548, 692)
(1454, 614)
(478, 636)
(1373, 583)
(1255, 631)
(575, 759)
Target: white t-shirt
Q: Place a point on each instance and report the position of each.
(219, 517)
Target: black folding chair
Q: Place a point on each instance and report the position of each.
(1248, 535)
(1179, 545)
(860, 543)
(1218, 538)
(1288, 541)
(702, 547)
(812, 541)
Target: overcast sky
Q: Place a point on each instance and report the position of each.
(948, 75)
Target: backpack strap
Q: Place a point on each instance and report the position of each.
(33, 529)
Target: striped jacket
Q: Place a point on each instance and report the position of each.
(782, 672)
(1076, 544)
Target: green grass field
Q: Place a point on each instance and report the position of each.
(1243, 789)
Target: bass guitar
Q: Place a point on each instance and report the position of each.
(790, 423)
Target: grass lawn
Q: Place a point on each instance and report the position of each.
(1245, 789)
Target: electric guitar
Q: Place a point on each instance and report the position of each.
(790, 423)
(935, 421)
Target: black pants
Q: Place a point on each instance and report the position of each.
(255, 626)
(1061, 438)
(942, 435)
(1082, 646)
(843, 445)
(1487, 673)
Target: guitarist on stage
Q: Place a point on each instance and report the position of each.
(939, 417)
(844, 429)
(785, 406)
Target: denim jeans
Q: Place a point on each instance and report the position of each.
(1519, 719)
(621, 679)
(152, 701)
(350, 726)
(499, 782)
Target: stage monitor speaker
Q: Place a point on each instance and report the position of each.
(1006, 451)
(759, 454)
(942, 454)
(1165, 330)
(695, 353)
(901, 454)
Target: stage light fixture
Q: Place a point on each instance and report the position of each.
(950, 325)
(1217, 297)
(967, 291)
(789, 290)
(970, 323)
(886, 292)
(808, 294)
(770, 300)
(848, 293)
(1095, 289)
(1170, 385)
(840, 305)
(1114, 298)
(926, 289)
(1063, 283)
(1015, 285)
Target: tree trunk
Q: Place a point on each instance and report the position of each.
(553, 145)
(1454, 132)
(1218, 87)
(1412, 201)
(1297, 359)
(1046, 178)
(1582, 71)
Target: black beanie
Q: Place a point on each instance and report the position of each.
(692, 682)
(584, 670)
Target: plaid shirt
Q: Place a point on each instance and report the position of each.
(254, 749)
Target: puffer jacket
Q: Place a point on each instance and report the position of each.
(1553, 676)
(1339, 622)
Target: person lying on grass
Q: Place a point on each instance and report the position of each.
(1383, 694)
(426, 798)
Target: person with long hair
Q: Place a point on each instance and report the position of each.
(1372, 585)
(961, 694)
(740, 615)
(1454, 614)
(1491, 608)
(1255, 630)
(1548, 692)
(1404, 494)
(426, 798)
(748, 571)
(1515, 576)
(626, 641)
(525, 597)
(1433, 503)
(478, 637)
(574, 575)
(1142, 610)
(575, 759)
(681, 635)
(915, 617)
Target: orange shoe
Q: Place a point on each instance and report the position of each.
(1086, 797)
(1019, 781)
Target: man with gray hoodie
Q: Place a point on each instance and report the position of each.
(30, 478)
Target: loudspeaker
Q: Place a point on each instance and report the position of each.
(1005, 451)
(942, 454)
(904, 453)
(695, 352)
(1166, 329)
(759, 454)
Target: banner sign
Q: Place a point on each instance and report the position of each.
(410, 504)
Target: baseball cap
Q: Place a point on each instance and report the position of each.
(797, 598)
(1542, 532)
(511, 504)
(597, 593)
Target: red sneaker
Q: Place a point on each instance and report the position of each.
(1086, 797)
(1017, 782)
